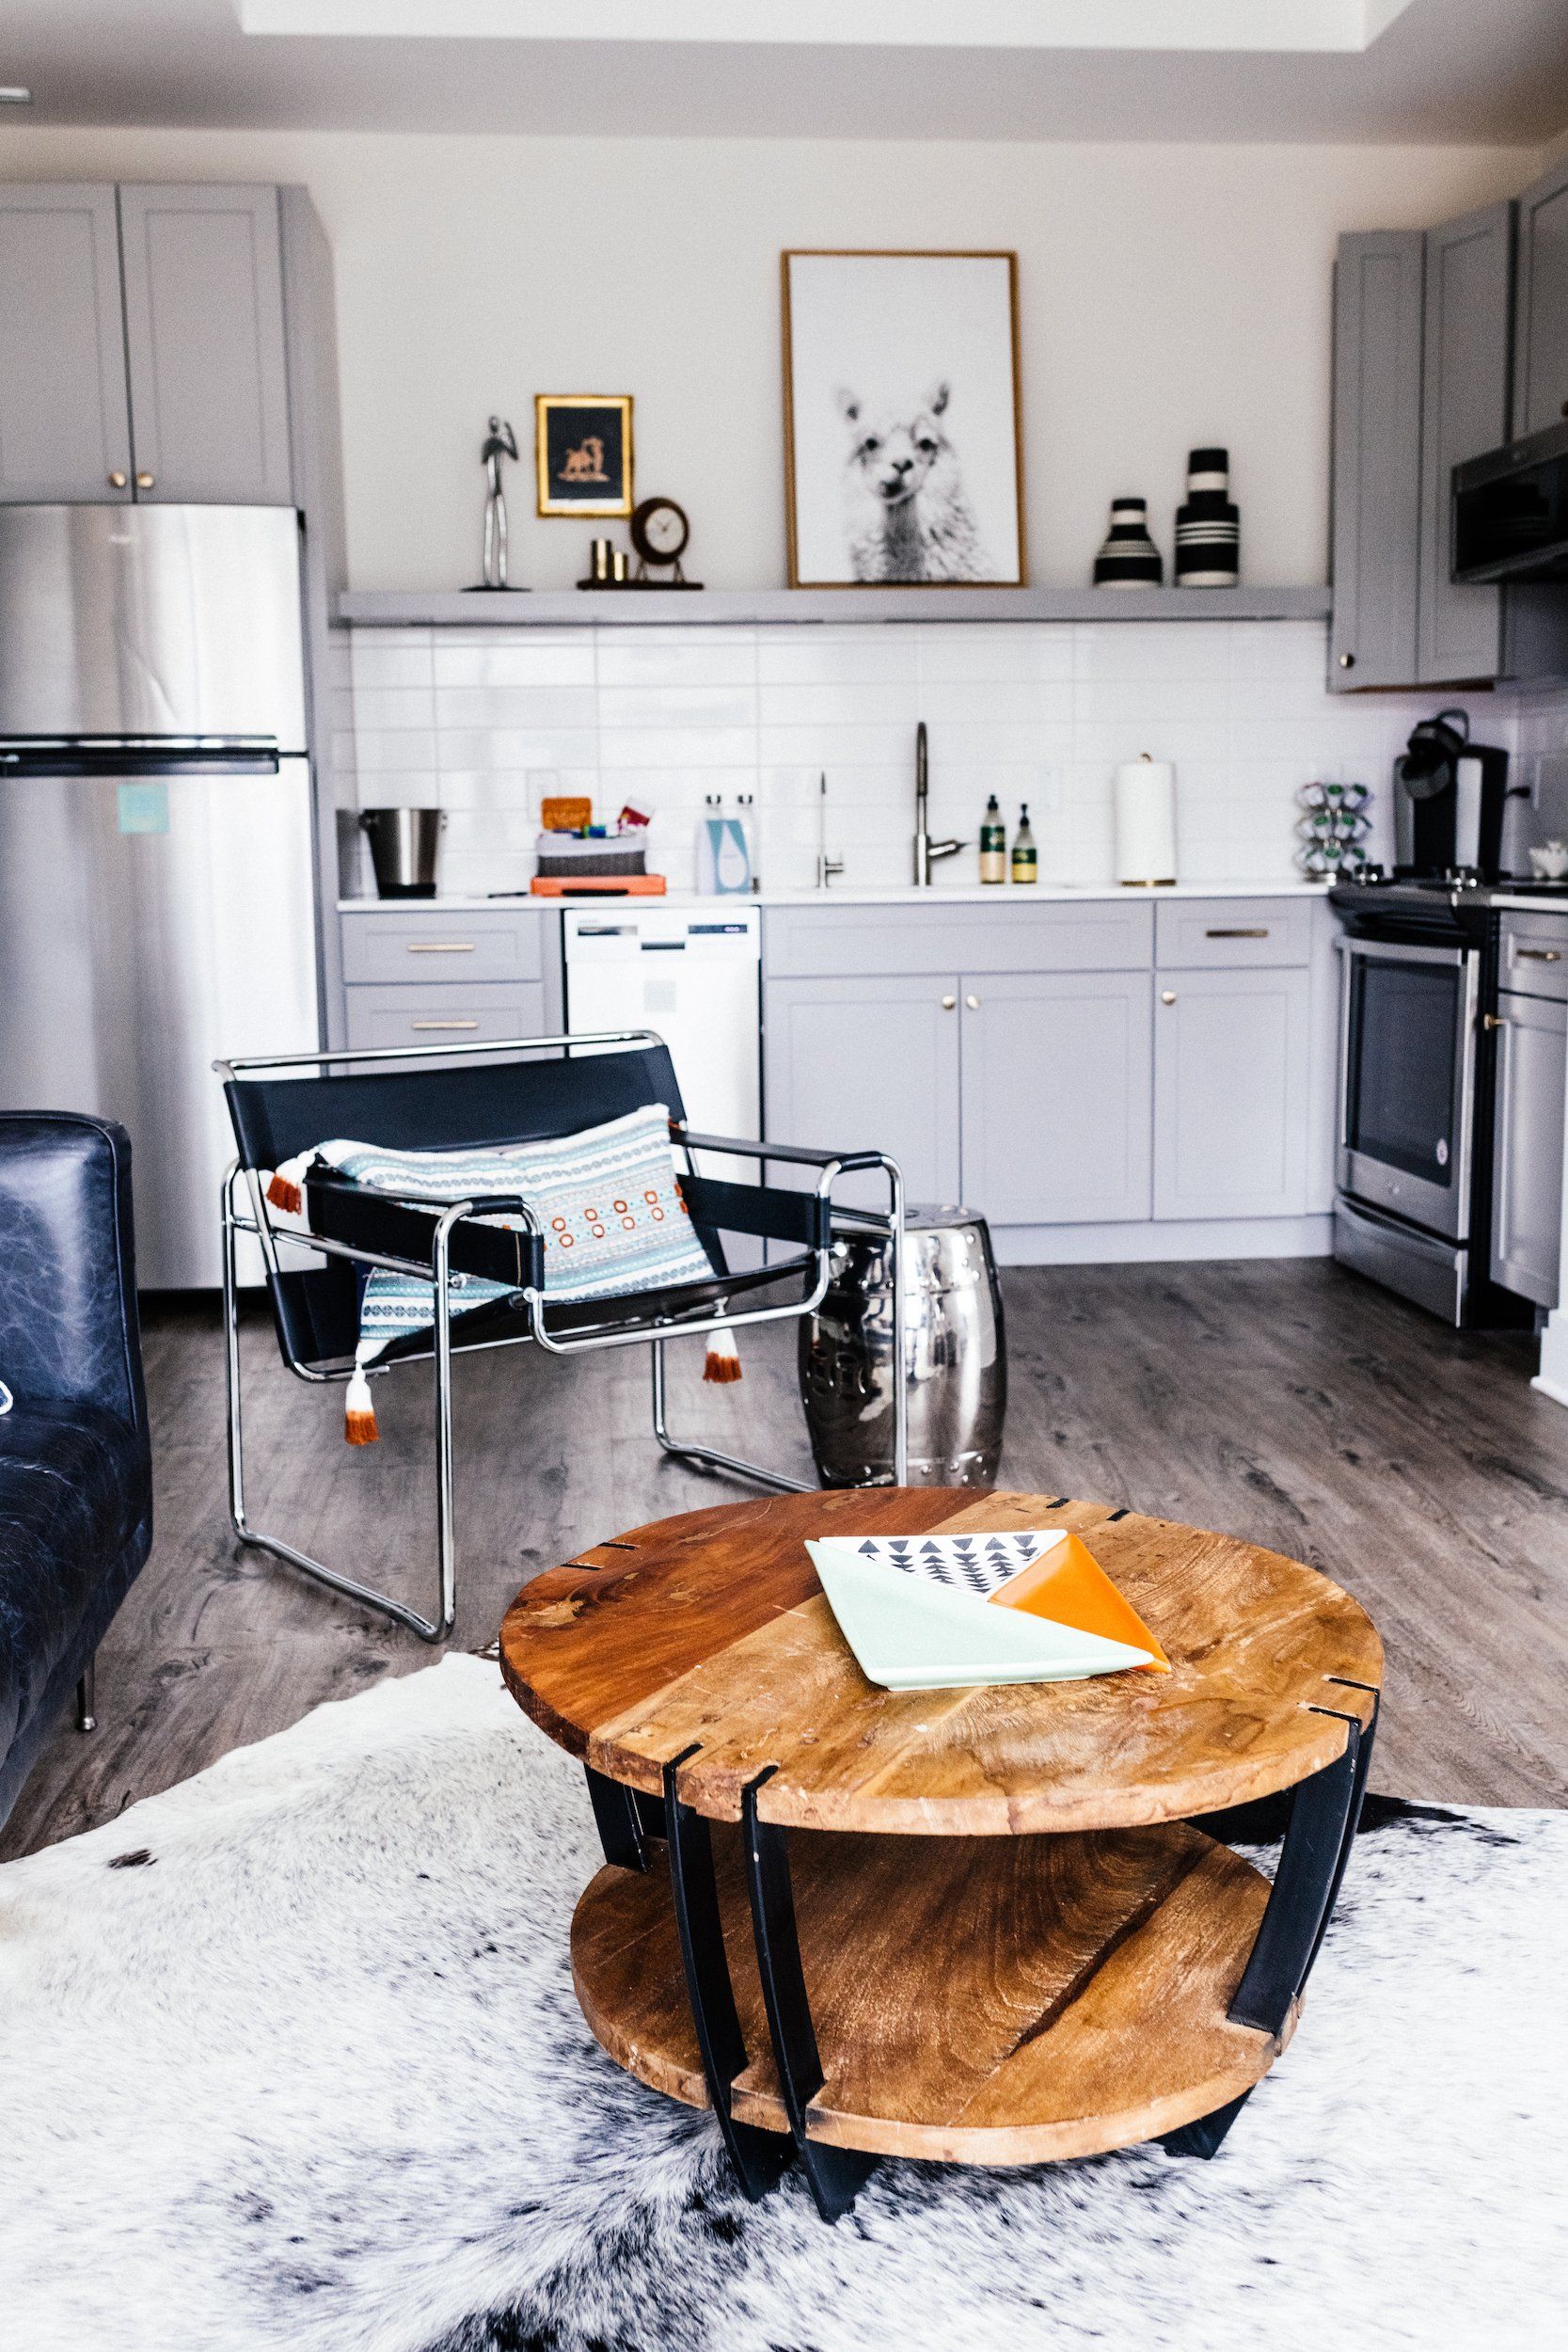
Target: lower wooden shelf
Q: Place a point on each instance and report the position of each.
(982, 2000)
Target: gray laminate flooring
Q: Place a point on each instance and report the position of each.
(1286, 1402)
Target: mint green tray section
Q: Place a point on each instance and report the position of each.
(910, 1636)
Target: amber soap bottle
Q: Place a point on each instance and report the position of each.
(1026, 866)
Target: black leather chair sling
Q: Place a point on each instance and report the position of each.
(453, 1097)
(76, 1464)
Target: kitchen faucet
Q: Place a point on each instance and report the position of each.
(926, 851)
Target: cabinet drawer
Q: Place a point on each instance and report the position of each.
(434, 949)
(822, 942)
(1196, 934)
(1535, 956)
(444, 1016)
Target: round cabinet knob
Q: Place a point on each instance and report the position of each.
(973, 1003)
(949, 1003)
(144, 482)
(1347, 661)
(117, 481)
(1167, 996)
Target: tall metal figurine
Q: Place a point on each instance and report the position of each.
(500, 441)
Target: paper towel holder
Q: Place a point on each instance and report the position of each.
(1144, 802)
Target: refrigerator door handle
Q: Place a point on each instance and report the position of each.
(138, 755)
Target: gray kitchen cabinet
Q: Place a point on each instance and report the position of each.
(1527, 1166)
(204, 343)
(65, 425)
(1056, 1097)
(1541, 306)
(869, 1064)
(1231, 1059)
(1375, 524)
(383, 1016)
(1464, 412)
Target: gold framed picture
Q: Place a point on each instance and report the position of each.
(903, 449)
(582, 451)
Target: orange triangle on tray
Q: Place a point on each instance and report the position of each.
(1068, 1585)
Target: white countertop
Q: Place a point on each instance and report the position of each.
(902, 894)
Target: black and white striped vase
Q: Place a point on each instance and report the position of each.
(1208, 527)
(1129, 557)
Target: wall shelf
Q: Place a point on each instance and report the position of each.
(647, 608)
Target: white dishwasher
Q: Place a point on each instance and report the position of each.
(693, 977)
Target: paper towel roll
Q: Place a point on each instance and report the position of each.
(1145, 800)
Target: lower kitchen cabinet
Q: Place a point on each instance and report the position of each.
(1527, 1181)
(381, 1016)
(1232, 1056)
(1056, 1097)
(870, 1065)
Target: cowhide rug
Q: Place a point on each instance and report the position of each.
(289, 2057)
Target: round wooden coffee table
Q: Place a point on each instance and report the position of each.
(1016, 1945)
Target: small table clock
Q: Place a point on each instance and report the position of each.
(661, 533)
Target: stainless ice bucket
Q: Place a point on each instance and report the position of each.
(402, 850)
(955, 1356)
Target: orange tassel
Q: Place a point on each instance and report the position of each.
(359, 1412)
(284, 1195)
(723, 1362)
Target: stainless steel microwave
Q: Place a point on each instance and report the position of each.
(1510, 511)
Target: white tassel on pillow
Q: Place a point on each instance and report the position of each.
(358, 1410)
(723, 1357)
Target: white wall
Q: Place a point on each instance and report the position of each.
(1168, 296)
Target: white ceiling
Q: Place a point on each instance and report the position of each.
(1445, 70)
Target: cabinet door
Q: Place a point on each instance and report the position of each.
(1541, 306)
(867, 1065)
(1056, 1097)
(1231, 1052)
(65, 431)
(1377, 459)
(1465, 383)
(1526, 1168)
(204, 338)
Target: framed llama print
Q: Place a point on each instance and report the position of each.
(582, 449)
(903, 462)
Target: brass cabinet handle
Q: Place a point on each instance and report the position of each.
(973, 1003)
(443, 1025)
(116, 481)
(440, 947)
(949, 1003)
(1538, 955)
(1261, 931)
(1493, 1021)
(1167, 996)
(1347, 661)
(144, 481)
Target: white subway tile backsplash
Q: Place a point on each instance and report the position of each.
(488, 722)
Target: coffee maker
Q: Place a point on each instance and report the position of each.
(1451, 797)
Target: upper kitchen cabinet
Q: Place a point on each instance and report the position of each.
(1541, 306)
(65, 423)
(142, 346)
(1377, 458)
(1464, 397)
(204, 344)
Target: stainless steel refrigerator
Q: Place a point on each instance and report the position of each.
(157, 897)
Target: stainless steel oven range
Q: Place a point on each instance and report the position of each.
(1416, 1080)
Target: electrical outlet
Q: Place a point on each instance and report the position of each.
(1549, 784)
(1047, 796)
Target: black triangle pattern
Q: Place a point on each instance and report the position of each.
(974, 1563)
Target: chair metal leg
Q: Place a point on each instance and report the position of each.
(706, 1454)
(86, 1693)
(427, 1629)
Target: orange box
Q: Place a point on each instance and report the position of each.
(597, 886)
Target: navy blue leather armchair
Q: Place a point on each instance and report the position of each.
(75, 1465)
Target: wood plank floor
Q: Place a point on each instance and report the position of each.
(1286, 1402)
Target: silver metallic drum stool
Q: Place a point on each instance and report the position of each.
(955, 1355)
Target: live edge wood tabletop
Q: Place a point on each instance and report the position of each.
(1015, 1945)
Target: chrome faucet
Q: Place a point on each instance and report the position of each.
(926, 851)
(826, 867)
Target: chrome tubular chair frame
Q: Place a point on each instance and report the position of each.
(253, 1218)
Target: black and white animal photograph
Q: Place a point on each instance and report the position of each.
(904, 463)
